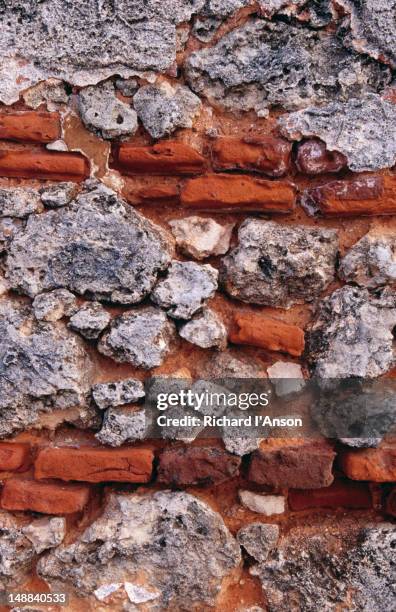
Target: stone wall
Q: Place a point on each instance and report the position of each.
(195, 189)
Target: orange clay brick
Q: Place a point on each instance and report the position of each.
(256, 330)
(13, 456)
(30, 126)
(341, 494)
(45, 497)
(265, 154)
(374, 464)
(161, 158)
(40, 165)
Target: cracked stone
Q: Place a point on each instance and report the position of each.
(54, 305)
(163, 108)
(141, 338)
(351, 334)
(58, 195)
(46, 533)
(363, 129)
(175, 540)
(43, 367)
(104, 114)
(258, 539)
(90, 320)
(98, 247)
(371, 262)
(206, 330)
(19, 202)
(185, 289)
(122, 425)
(263, 64)
(268, 252)
(118, 393)
(201, 237)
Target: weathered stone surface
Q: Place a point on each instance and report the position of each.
(8, 227)
(231, 364)
(198, 465)
(16, 551)
(258, 539)
(318, 13)
(67, 248)
(103, 113)
(352, 334)
(140, 337)
(43, 367)
(206, 330)
(127, 86)
(185, 289)
(263, 64)
(180, 545)
(368, 134)
(239, 446)
(313, 158)
(342, 565)
(118, 393)
(19, 202)
(262, 504)
(51, 92)
(163, 108)
(201, 237)
(122, 425)
(373, 24)
(54, 305)
(268, 252)
(58, 195)
(265, 154)
(371, 262)
(45, 533)
(287, 377)
(90, 320)
(212, 16)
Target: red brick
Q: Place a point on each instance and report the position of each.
(158, 192)
(30, 126)
(292, 463)
(45, 497)
(265, 154)
(203, 465)
(40, 164)
(341, 494)
(92, 464)
(162, 158)
(374, 464)
(256, 330)
(313, 158)
(13, 456)
(220, 192)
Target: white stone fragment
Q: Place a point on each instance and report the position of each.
(287, 377)
(263, 504)
(138, 594)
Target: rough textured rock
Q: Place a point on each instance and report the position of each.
(46, 533)
(51, 92)
(201, 237)
(54, 305)
(371, 262)
(313, 158)
(43, 367)
(182, 547)
(140, 337)
(332, 567)
(287, 377)
(262, 504)
(58, 195)
(103, 113)
(118, 393)
(206, 330)
(163, 108)
(90, 320)
(8, 227)
(268, 253)
(262, 64)
(361, 442)
(200, 465)
(122, 425)
(127, 86)
(67, 248)
(367, 136)
(19, 202)
(185, 289)
(231, 364)
(352, 334)
(212, 16)
(258, 539)
(373, 24)
(16, 551)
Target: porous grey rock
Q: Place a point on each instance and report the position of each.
(206, 330)
(16, 550)
(51, 92)
(277, 265)
(201, 237)
(163, 108)
(103, 113)
(98, 247)
(371, 262)
(43, 367)
(173, 539)
(9, 226)
(54, 305)
(351, 334)
(123, 425)
(19, 202)
(230, 364)
(317, 12)
(118, 393)
(237, 445)
(342, 565)
(264, 64)
(127, 86)
(361, 442)
(56, 196)
(258, 539)
(373, 24)
(90, 320)
(185, 289)
(45, 532)
(363, 129)
(140, 337)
